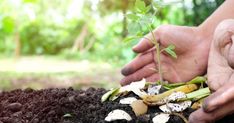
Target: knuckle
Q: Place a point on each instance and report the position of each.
(151, 65)
(213, 85)
(223, 33)
(135, 76)
(161, 30)
(225, 25)
(149, 79)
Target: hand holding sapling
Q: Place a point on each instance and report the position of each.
(143, 19)
(181, 52)
(191, 49)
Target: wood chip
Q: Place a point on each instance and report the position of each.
(118, 115)
(161, 118)
(139, 107)
(128, 100)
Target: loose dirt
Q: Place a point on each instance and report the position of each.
(68, 106)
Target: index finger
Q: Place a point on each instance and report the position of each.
(219, 98)
(146, 43)
(200, 116)
(137, 63)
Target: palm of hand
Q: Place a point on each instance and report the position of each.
(191, 61)
(191, 50)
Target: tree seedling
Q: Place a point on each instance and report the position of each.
(142, 19)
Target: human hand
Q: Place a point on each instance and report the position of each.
(220, 77)
(192, 49)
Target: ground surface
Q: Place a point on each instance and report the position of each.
(63, 106)
(45, 72)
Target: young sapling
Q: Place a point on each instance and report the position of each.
(142, 19)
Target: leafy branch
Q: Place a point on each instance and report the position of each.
(142, 19)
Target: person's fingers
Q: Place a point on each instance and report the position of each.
(146, 42)
(200, 116)
(219, 98)
(138, 75)
(153, 78)
(137, 63)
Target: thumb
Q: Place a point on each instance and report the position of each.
(230, 57)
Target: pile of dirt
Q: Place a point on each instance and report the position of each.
(67, 106)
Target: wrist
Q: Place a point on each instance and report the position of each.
(203, 34)
(204, 39)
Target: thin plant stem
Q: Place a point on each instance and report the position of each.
(158, 57)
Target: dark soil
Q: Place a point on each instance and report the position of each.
(67, 106)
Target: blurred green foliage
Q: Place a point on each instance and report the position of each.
(43, 27)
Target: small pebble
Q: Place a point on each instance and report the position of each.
(14, 107)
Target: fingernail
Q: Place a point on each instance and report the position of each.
(122, 82)
(135, 48)
(126, 71)
(206, 106)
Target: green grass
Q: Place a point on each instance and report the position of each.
(5, 85)
(14, 80)
(99, 73)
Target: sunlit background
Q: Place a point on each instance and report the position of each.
(79, 43)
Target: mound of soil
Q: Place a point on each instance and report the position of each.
(68, 106)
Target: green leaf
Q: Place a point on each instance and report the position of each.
(131, 38)
(170, 50)
(171, 46)
(8, 24)
(134, 28)
(156, 5)
(139, 34)
(128, 39)
(147, 19)
(147, 9)
(110, 93)
(132, 17)
(197, 80)
(140, 6)
(30, 1)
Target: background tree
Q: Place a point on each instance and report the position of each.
(36, 27)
